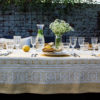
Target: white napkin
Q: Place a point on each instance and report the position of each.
(4, 53)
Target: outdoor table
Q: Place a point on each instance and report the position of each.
(21, 73)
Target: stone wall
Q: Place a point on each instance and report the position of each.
(84, 21)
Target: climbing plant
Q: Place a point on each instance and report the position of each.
(25, 5)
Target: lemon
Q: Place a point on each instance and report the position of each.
(26, 48)
(48, 46)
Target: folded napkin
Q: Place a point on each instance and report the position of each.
(4, 53)
(26, 41)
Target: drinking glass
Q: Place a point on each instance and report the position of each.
(66, 46)
(73, 41)
(2, 44)
(86, 46)
(94, 41)
(17, 40)
(33, 41)
(10, 45)
(81, 42)
(39, 45)
(99, 46)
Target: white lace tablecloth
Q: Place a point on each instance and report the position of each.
(21, 73)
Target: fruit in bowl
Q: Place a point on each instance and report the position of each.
(26, 48)
(49, 47)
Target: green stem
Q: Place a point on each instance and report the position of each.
(58, 42)
(40, 32)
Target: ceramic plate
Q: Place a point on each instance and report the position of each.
(62, 53)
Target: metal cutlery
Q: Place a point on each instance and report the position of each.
(75, 55)
(34, 55)
(94, 55)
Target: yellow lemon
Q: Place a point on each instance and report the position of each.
(48, 46)
(26, 48)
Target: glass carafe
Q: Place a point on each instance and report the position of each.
(40, 37)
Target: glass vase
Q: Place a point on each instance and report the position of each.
(58, 42)
(40, 37)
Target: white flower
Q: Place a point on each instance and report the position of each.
(59, 27)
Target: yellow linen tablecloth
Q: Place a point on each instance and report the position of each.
(21, 73)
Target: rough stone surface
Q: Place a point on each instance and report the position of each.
(85, 21)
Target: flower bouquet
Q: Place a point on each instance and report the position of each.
(59, 27)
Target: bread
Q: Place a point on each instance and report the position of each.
(49, 48)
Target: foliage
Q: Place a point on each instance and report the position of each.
(25, 5)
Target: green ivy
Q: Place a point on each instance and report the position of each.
(25, 5)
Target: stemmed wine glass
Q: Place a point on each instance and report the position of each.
(94, 41)
(73, 41)
(33, 42)
(81, 41)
